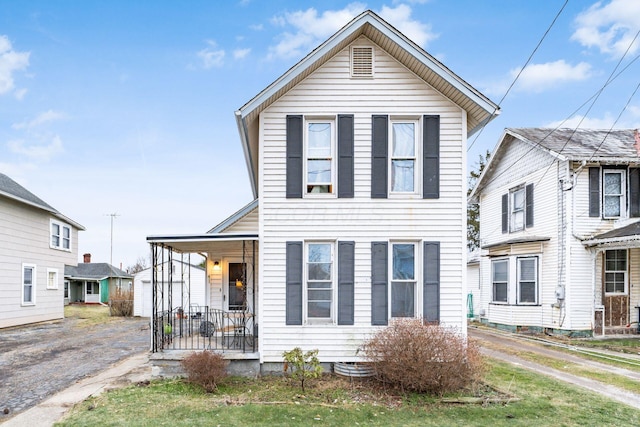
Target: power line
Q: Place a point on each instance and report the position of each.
(520, 72)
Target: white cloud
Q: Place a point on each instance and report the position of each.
(43, 118)
(540, 77)
(42, 152)
(241, 53)
(309, 29)
(609, 27)
(20, 94)
(400, 17)
(211, 56)
(256, 27)
(10, 62)
(629, 120)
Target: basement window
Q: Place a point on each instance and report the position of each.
(361, 61)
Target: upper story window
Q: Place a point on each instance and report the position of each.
(403, 280)
(319, 155)
(517, 209)
(319, 283)
(60, 236)
(613, 194)
(402, 160)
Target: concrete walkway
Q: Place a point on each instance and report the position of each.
(129, 371)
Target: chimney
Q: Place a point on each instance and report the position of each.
(87, 258)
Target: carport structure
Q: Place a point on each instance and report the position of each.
(229, 320)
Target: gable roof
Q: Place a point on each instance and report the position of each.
(12, 190)
(568, 144)
(94, 270)
(480, 109)
(244, 211)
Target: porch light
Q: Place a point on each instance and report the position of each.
(216, 265)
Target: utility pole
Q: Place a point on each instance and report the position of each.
(112, 215)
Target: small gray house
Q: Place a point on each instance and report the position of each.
(93, 283)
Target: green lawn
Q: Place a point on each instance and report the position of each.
(332, 401)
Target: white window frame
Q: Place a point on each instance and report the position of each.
(52, 284)
(517, 213)
(417, 269)
(621, 195)
(624, 272)
(494, 282)
(67, 290)
(57, 237)
(332, 281)
(33, 284)
(93, 285)
(519, 280)
(308, 191)
(417, 152)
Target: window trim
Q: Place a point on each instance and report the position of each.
(512, 209)
(332, 319)
(493, 281)
(417, 156)
(60, 236)
(417, 278)
(625, 272)
(33, 284)
(332, 121)
(67, 290)
(56, 278)
(622, 195)
(536, 281)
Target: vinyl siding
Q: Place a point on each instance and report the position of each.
(247, 224)
(24, 238)
(330, 91)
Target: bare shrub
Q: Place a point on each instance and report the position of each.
(414, 356)
(121, 304)
(205, 368)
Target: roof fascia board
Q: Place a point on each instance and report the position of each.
(201, 238)
(244, 138)
(487, 167)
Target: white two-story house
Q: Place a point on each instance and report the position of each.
(560, 231)
(357, 160)
(36, 242)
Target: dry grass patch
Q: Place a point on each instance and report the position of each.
(88, 315)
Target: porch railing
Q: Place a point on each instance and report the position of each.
(203, 328)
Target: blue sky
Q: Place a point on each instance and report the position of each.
(127, 107)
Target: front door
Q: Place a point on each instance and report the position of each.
(237, 286)
(615, 288)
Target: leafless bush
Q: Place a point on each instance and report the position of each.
(206, 369)
(121, 304)
(414, 356)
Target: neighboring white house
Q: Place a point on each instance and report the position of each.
(189, 288)
(36, 242)
(357, 161)
(474, 293)
(560, 231)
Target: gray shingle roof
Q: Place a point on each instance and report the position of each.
(94, 270)
(16, 191)
(584, 144)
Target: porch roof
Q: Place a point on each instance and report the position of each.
(623, 237)
(207, 242)
(518, 240)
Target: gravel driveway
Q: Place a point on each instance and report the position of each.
(40, 360)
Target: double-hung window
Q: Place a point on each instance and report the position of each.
(500, 280)
(613, 200)
(28, 284)
(615, 271)
(403, 280)
(60, 236)
(319, 154)
(527, 280)
(403, 159)
(319, 282)
(517, 209)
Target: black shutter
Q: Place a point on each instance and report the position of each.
(528, 210)
(431, 290)
(505, 213)
(379, 149)
(594, 192)
(346, 280)
(634, 192)
(345, 155)
(294, 284)
(431, 160)
(379, 294)
(294, 157)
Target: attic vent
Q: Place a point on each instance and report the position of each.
(361, 61)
